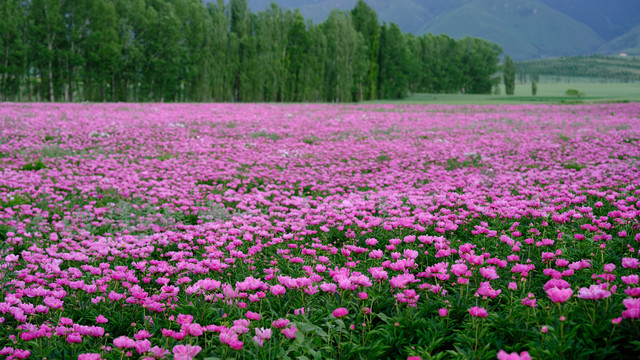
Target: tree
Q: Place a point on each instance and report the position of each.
(365, 21)
(12, 48)
(343, 61)
(534, 88)
(479, 62)
(46, 33)
(297, 53)
(393, 63)
(574, 92)
(509, 75)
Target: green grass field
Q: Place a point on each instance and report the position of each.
(548, 93)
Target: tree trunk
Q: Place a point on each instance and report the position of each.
(51, 96)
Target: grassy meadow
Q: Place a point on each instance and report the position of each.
(548, 93)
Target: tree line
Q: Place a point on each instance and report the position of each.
(601, 67)
(192, 51)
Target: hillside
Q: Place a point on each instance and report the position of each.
(619, 68)
(628, 43)
(525, 29)
(410, 15)
(609, 19)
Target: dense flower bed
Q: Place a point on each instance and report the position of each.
(319, 231)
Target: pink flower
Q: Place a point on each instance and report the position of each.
(74, 338)
(489, 273)
(290, 332)
(340, 312)
(142, 346)
(478, 312)
(142, 334)
(101, 319)
(89, 356)
(559, 295)
(594, 292)
(632, 263)
(124, 342)
(66, 321)
(443, 312)
(609, 267)
(185, 352)
(252, 316)
(278, 290)
(502, 355)
(53, 302)
(631, 279)
(280, 323)
(158, 351)
(21, 354)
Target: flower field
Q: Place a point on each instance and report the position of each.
(222, 231)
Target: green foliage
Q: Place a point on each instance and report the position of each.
(609, 68)
(34, 166)
(509, 75)
(189, 50)
(534, 88)
(574, 92)
(473, 160)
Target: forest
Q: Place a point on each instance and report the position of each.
(612, 68)
(192, 51)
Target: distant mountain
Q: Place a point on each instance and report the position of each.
(628, 43)
(410, 15)
(526, 29)
(608, 18)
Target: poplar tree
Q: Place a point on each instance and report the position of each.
(509, 75)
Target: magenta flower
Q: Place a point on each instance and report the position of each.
(89, 356)
(142, 346)
(252, 316)
(290, 332)
(278, 290)
(280, 323)
(502, 355)
(124, 342)
(443, 312)
(558, 295)
(594, 292)
(74, 338)
(21, 354)
(478, 312)
(185, 352)
(340, 312)
(489, 273)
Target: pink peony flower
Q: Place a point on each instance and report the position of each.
(594, 292)
(185, 352)
(89, 356)
(340, 312)
(290, 332)
(478, 312)
(280, 323)
(278, 290)
(124, 342)
(502, 355)
(558, 295)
